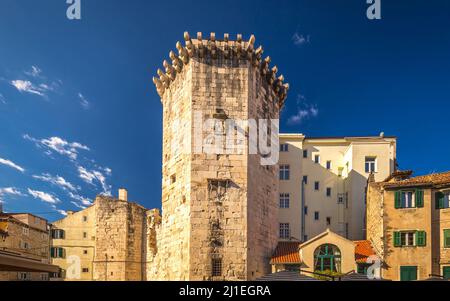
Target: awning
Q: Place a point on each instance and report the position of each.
(13, 262)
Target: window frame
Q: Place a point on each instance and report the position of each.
(370, 166)
(284, 147)
(285, 172)
(284, 231)
(284, 200)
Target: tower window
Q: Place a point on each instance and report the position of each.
(328, 191)
(216, 267)
(328, 221)
(328, 164)
(305, 153)
(305, 179)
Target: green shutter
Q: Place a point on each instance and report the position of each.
(60, 252)
(439, 199)
(397, 239)
(421, 238)
(447, 238)
(52, 252)
(419, 198)
(398, 199)
(446, 272)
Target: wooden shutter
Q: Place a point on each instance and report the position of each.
(419, 198)
(397, 239)
(447, 238)
(52, 252)
(421, 238)
(398, 199)
(439, 199)
(60, 252)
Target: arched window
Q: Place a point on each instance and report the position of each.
(327, 257)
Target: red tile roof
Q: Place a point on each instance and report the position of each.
(287, 252)
(436, 179)
(363, 249)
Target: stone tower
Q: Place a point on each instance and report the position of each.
(219, 209)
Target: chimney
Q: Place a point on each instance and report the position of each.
(123, 194)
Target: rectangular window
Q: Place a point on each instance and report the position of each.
(56, 252)
(447, 238)
(317, 159)
(284, 147)
(285, 232)
(44, 276)
(216, 265)
(25, 231)
(371, 164)
(316, 185)
(409, 199)
(340, 198)
(305, 210)
(305, 153)
(284, 172)
(316, 215)
(410, 239)
(328, 164)
(328, 191)
(84, 235)
(442, 200)
(24, 276)
(58, 234)
(305, 179)
(85, 270)
(328, 221)
(284, 200)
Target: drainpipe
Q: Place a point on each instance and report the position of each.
(303, 211)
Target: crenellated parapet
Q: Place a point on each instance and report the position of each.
(210, 50)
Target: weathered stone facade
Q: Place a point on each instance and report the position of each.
(109, 238)
(218, 209)
(26, 236)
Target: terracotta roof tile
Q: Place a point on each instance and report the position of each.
(436, 179)
(363, 249)
(286, 252)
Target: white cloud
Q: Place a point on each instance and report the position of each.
(83, 101)
(304, 111)
(2, 98)
(90, 175)
(10, 191)
(43, 196)
(34, 72)
(29, 87)
(300, 39)
(11, 164)
(59, 145)
(82, 200)
(56, 180)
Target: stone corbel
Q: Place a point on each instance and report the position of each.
(177, 63)
(169, 70)
(182, 52)
(164, 78)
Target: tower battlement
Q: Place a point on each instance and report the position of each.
(220, 52)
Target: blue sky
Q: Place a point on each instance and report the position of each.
(79, 114)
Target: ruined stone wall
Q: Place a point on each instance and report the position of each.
(375, 217)
(120, 249)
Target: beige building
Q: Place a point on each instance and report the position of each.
(408, 223)
(327, 252)
(106, 241)
(323, 182)
(24, 248)
(219, 208)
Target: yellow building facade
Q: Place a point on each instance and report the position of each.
(408, 223)
(323, 181)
